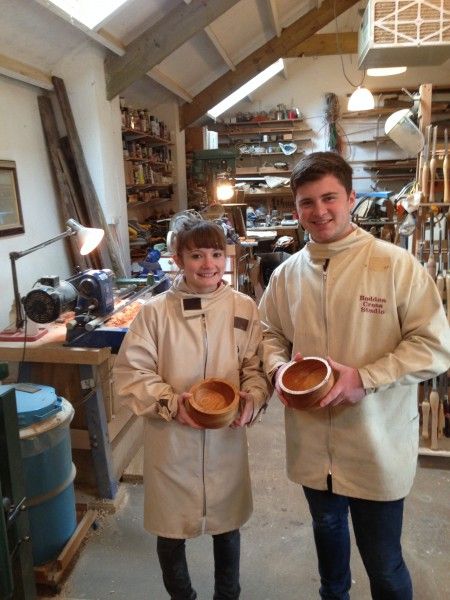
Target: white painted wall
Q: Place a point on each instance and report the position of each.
(98, 124)
(22, 140)
(309, 79)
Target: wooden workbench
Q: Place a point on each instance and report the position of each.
(104, 435)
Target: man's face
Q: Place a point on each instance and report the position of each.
(323, 209)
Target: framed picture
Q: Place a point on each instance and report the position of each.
(11, 221)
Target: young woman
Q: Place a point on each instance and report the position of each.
(196, 480)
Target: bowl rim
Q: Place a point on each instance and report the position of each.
(286, 366)
(218, 411)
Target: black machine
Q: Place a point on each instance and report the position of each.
(89, 294)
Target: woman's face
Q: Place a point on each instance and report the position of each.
(203, 268)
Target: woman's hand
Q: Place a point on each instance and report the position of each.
(348, 388)
(246, 412)
(182, 415)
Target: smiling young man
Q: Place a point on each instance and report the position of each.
(375, 313)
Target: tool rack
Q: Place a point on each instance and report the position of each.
(431, 244)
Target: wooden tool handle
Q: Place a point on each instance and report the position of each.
(447, 291)
(440, 284)
(431, 264)
(441, 420)
(425, 180)
(434, 406)
(425, 419)
(446, 169)
(433, 167)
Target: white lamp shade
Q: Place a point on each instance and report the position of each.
(88, 237)
(361, 99)
(224, 191)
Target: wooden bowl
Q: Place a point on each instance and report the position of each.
(214, 403)
(304, 383)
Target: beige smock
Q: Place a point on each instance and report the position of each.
(375, 308)
(196, 481)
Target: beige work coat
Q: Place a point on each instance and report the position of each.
(195, 481)
(374, 308)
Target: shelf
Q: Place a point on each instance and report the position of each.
(259, 154)
(152, 202)
(443, 448)
(149, 186)
(151, 140)
(277, 192)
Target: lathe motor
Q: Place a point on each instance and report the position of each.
(89, 293)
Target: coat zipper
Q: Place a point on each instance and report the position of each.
(205, 341)
(324, 311)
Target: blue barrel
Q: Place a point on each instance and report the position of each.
(44, 421)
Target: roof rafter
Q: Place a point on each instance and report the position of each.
(302, 29)
(274, 17)
(220, 49)
(10, 67)
(160, 40)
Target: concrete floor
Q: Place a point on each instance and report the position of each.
(118, 560)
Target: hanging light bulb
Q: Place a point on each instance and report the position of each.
(361, 99)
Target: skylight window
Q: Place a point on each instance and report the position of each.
(88, 12)
(246, 89)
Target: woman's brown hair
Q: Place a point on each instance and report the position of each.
(203, 234)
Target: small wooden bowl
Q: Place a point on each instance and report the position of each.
(214, 403)
(304, 383)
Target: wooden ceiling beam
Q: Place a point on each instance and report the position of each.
(302, 29)
(22, 72)
(273, 11)
(160, 40)
(324, 44)
(220, 49)
(170, 84)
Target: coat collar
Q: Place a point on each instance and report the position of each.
(356, 238)
(194, 304)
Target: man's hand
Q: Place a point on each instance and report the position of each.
(182, 415)
(246, 412)
(348, 388)
(297, 357)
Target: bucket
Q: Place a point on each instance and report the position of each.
(44, 420)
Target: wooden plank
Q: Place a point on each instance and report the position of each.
(57, 354)
(20, 71)
(325, 44)
(63, 191)
(302, 29)
(160, 40)
(118, 421)
(126, 444)
(77, 537)
(110, 255)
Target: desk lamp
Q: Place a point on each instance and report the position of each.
(88, 239)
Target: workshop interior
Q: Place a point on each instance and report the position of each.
(106, 150)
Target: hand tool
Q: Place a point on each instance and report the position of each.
(433, 166)
(425, 411)
(434, 407)
(431, 262)
(426, 166)
(446, 169)
(440, 279)
(447, 277)
(441, 415)
(446, 407)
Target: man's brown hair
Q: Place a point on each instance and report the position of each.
(316, 165)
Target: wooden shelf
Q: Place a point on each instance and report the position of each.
(149, 186)
(151, 140)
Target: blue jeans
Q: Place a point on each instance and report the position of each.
(172, 558)
(377, 527)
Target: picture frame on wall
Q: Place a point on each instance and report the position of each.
(11, 220)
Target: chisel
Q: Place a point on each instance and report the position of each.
(426, 166)
(431, 262)
(440, 279)
(434, 408)
(433, 166)
(447, 277)
(446, 408)
(441, 415)
(425, 411)
(446, 170)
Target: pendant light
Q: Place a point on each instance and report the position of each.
(361, 99)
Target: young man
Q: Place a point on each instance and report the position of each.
(374, 312)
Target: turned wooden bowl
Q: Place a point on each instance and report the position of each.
(304, 383)
(214, 403)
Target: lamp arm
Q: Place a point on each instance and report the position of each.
(14, 256)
